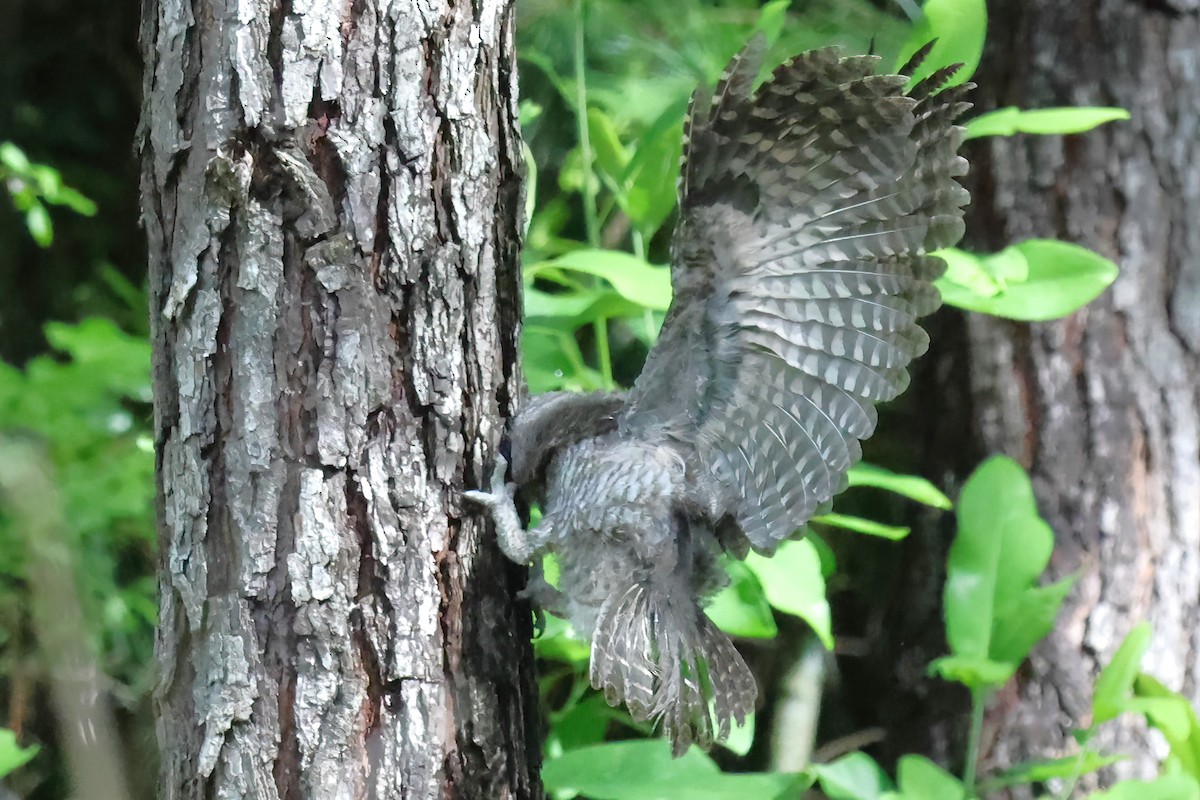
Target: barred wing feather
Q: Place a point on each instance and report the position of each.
(800, 270)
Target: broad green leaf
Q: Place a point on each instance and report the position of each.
(994, 610)
(853, 777)
(74, 200)
(553, 361)
(98, 344)
(1046, 121)
(1043, 770)
(1012, 641)
(1167, 787)
(1114, 686)
(741, 609)
(869, 527)
(910, 486)
(636, 280)
(611, 156)
(582, 724)
(37, 221)
(793, 583)
(1059, 278)
(14, 157)
(573, 309)
(972, 671)
(644, 770)
(649, 199)
(771, 19)
(918, 778)
(959, 26)
(1174, 717)
(12, 755)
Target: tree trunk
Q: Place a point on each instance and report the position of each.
(1103, 408)
(331, 197)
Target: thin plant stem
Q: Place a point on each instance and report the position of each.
(979, 700)
(600, 330)
(1069, 788)
(590, 218)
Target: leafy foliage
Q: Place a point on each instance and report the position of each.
(90, 407)
(34, 186)
(12, 755)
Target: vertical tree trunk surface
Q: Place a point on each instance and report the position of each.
(331, 197)
(1103, 408)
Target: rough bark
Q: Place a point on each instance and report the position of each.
(331, 198)
(1103, 408)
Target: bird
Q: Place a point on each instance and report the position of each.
(810, 209)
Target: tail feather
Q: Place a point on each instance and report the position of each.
(662, 658)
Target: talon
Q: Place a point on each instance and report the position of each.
(499, 472)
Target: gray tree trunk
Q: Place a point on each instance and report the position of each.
(331, 198)
(1103, 408)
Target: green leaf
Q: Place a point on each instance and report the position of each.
(994, 610)
(1174, 717)
(1167, 787)
(553, 361)
(1047, 769)
(910, 486)
(920, 779)
(12, 755)
(611, 156)
(741, 608)
(1114, 685)
(852, 777)
(959, 26)
(972, 671)
(793, 583)
(1036, 280)
(37, 221)
(644, 770)
(649, 199)
(634, 279)
(576, 308)
(1045, 121)
(581, 724)
(14, 158)
(869, 527)
(772, 18)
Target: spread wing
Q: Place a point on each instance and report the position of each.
(799, 264)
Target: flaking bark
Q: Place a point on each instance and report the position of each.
(1103, 408)
(331, 198)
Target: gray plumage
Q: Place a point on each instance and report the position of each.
(800, 268)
